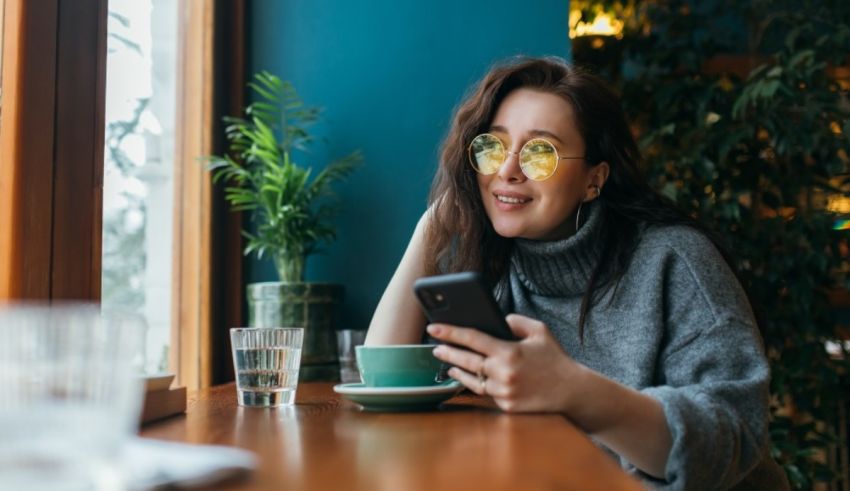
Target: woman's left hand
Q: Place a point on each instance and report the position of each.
(530, 375)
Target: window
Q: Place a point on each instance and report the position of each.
(138, 180)
(174, 68)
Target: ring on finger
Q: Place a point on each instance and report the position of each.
(480, 372)
(482, 376)
(482, 380)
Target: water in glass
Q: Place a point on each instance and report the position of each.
(267, 373)
(266, 361)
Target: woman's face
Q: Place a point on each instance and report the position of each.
(546, 209)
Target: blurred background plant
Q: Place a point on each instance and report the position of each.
(742, 113)
(138, 167)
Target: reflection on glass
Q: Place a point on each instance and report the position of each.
(489, 153)
(138, 166)
(538, 159)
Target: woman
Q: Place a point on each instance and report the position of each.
(630, 321)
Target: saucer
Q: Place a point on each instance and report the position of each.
(399, 398)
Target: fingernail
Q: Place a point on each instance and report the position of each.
(439, 351)
(434, 330)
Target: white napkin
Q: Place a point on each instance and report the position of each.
(154, 463)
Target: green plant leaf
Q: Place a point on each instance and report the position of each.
(779, 146)
(290, 208)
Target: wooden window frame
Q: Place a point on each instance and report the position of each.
(51, 168)
(2, 9)
(51, 149)
(207, 268)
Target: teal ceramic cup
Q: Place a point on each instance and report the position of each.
(408, 365)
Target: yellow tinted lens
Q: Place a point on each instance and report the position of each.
(486, 153)
(538, 159)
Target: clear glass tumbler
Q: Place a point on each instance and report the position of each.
(71, 395)
(266, 362)
(346, 341)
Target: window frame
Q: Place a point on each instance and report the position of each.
(51, 149)
(207, 268)
(51, 168)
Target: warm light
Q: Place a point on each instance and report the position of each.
(603, 25)
(839, 204)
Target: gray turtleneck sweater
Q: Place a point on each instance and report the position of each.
(677, 328)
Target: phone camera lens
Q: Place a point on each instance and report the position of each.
(433, 300)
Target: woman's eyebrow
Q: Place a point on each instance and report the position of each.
(534, 132)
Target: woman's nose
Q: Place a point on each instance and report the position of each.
(510, 170)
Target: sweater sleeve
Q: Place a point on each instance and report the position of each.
(712, 378)
(715, 402)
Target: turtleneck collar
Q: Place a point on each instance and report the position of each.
(560, 267)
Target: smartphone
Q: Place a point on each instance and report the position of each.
(462, 299)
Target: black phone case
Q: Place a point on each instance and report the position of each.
(462, 299)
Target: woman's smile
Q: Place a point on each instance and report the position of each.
(511, 201)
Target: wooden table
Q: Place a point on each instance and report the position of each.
(327, 443)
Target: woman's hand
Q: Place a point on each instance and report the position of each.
(535, 375)
(529, 375)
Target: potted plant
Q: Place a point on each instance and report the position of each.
(291, 214)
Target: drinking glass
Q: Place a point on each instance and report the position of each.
(346, 341)
(71, 395)
(266, 361)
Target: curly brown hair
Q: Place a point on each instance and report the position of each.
(459, 235)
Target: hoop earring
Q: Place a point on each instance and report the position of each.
(578, 213)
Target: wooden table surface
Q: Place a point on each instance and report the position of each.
(325, 442)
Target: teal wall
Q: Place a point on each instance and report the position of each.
(388, 73)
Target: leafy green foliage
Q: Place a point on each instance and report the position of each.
(757, 156)
(292, 213)
(124, 257)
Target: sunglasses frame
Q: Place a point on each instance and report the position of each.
(508, 153)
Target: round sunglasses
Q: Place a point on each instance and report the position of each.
(538, 157)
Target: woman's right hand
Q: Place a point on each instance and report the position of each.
(533, 374)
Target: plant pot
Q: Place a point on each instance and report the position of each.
(314, 307)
